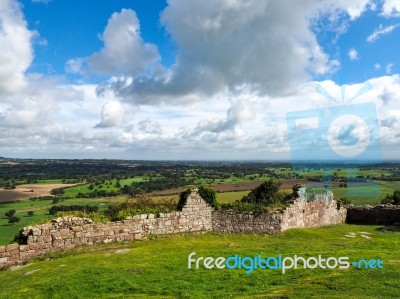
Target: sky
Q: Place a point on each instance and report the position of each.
(200, 80)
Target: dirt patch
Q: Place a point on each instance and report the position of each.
(231, 187)
(26, 191)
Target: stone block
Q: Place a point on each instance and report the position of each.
(23, 248)
(12, 247)
(64, 232)
(36, 232)
(76, 228)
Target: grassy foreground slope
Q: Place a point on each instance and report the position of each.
(157, 268)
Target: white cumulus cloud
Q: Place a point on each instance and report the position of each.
(391, 8)
(124, 51)
(15, 43)
(112, 115)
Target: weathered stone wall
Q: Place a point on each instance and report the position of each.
(297, 215)
(247, 223)
(383, 214)
(69, 232)
(302, 214)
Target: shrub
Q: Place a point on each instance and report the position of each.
(183, 199)
(55, 201)
(31, 213)
(10, 213)
(266, 194)
(296, 189)
(87, 209)
(393, 199)
(41, 198)
(13, 219)
(139, 205)
(57, 191)
(344, 201)
(208, 194)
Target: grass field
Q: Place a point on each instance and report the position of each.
(109, 185)
(157, 268)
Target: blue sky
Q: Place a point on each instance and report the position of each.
(183, 79)
(72, 29)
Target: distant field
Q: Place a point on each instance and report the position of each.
(232, 187)
(26, 191)
(108, 185)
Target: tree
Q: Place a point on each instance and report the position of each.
(31, 213)
(13, 219)
(10, 213)
(266, 193)
(296, 189)
(57, 191)
(393, 199)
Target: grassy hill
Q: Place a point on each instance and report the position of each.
(157, 268)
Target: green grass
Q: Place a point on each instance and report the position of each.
(109, 185)
(229, 197)
(8, 231)
(55, 181)
(157, 268)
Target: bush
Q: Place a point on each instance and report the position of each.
(344, 201)
(41, 198)
(139, 205)
(183, 199)
(55, 201)
(87, 209)
(296, 189)
(208, 194)
(267, 194)
(31, 213)
(10, 213)
(57, 191)
(13, 219)
(393, 199)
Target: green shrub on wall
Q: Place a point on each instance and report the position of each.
(266, 194)
(208, 194)
(183, 199)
